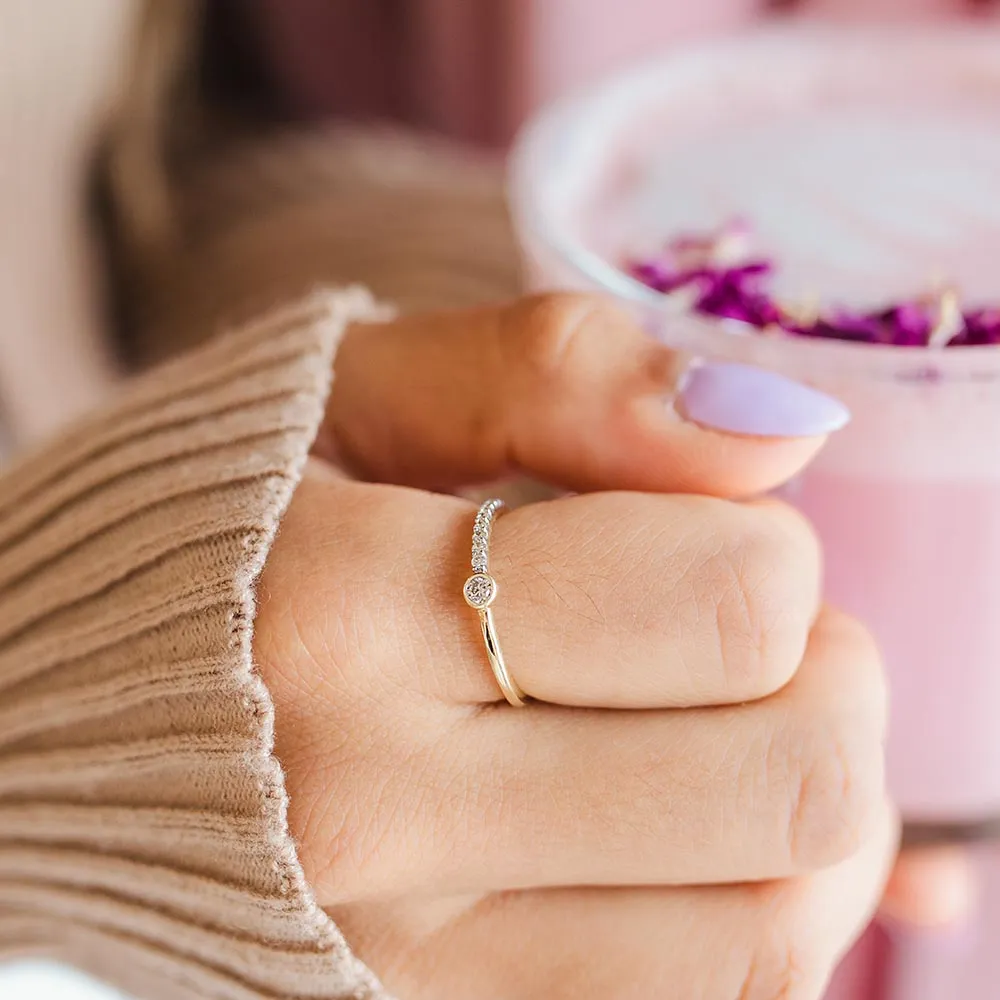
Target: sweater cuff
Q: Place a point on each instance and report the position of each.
(143, 831)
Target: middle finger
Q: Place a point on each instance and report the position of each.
(729, 794)
(550, 796)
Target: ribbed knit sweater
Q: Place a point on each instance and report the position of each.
(142, 812)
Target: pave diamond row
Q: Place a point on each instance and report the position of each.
(481, 535)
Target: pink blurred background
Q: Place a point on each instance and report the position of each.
(474, 70)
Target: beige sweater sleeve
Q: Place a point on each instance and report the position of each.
(142, 812)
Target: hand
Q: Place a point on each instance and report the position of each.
(694, 806)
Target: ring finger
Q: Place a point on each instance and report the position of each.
(606, 600)
(551, 796)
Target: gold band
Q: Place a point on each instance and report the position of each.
(480, 591)
(514, 695)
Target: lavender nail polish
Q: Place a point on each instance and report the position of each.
(739, 399)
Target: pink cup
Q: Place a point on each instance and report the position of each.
(785, 127)
(869, 162)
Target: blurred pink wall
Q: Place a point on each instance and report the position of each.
(474, 68)
(469, 68)
(516, 54)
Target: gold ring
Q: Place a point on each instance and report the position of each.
(480, 591)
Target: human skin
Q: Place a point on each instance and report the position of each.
(694, 804)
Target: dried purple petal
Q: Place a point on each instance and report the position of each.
(982, 326)
(655, 275)
(735, 294)
(844, 325)
(726, 282)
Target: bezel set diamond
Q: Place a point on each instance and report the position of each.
(480, 591)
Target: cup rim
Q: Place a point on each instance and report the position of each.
(689, 331)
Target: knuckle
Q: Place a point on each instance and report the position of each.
(765, 596)
(788, 961)
(836, 791)
(544, 330)
(858, 654)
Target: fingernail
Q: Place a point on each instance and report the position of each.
(740, 399)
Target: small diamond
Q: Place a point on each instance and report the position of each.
(480, 591)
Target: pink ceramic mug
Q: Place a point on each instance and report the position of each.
(870, 163)
(860, 198)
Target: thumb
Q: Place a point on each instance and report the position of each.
(567, 389)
